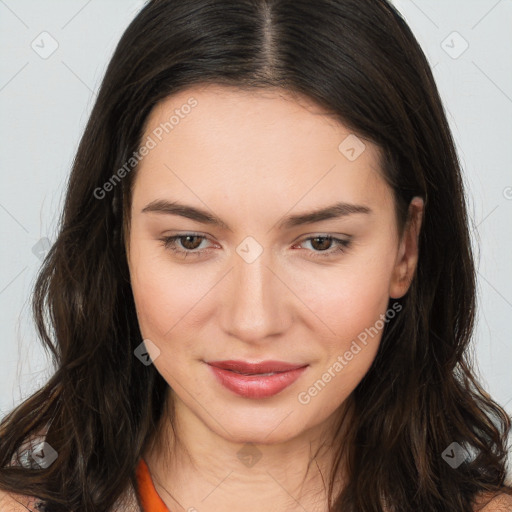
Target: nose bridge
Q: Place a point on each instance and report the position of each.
(255, 303)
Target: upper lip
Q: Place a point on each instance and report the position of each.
(255, 368)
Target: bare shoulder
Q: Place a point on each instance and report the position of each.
(10, 502)
(500, 503)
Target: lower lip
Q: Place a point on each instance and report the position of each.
(255, 386)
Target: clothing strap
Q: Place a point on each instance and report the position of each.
(150, 499)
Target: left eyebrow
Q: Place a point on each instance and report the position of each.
(336, 210)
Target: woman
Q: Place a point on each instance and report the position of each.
(263, 290)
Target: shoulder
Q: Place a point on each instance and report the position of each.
(10, 502)
(498, 503)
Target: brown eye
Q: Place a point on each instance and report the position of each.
(190, 242)
(324, 244)
(184, 245)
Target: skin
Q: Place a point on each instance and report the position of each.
(252, 158)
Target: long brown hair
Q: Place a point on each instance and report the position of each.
(359, 60)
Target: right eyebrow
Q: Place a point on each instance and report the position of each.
(190, 212)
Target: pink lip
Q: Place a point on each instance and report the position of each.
(252, 384)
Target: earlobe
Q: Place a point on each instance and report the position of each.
(408, 253)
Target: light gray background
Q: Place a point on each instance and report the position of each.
(45, 103)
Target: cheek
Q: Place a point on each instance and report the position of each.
(349, 298)
(162, 296)
(164, 302)
(351, 305)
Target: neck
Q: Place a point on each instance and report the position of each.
(194, 468)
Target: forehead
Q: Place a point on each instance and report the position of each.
(222, 141)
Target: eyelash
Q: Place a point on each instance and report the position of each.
(169, 243)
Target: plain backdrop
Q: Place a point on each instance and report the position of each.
(53, 55)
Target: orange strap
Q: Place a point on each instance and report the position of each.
(151, 501)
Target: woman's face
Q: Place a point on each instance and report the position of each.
(238, 175)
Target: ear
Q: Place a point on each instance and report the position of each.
(407, 256)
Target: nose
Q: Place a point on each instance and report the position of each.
(256, 304)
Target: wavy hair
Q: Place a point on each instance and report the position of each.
(101, 408)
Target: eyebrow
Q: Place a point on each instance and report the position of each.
(334, 211)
